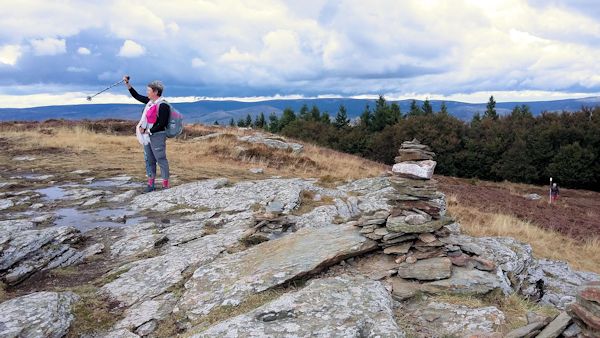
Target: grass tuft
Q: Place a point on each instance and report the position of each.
(94, 313)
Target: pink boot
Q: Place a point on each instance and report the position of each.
(165, 184)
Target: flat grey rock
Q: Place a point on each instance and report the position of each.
(525, 330)
(427, 269)
(229, 280)
(458, 320)
(40, 314)
(463, 281)
(556, 327)
(147, 278)
(6, 204)
(422, 170)
(332, 307)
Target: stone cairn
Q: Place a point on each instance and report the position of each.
(415, 227)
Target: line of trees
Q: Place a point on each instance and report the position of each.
(518, 147)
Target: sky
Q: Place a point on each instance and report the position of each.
(58, 52)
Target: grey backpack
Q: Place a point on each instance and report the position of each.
(175, 125)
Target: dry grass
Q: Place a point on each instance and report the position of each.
(3, 294)
(308, 202)
(64, 149)
(581, 255)
(93, 313)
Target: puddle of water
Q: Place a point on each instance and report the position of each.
(52, 193)
(85, 221)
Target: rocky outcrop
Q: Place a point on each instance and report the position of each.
(274, 142)
(25, 250)
(147, 278)
(40, 314)
(143, 317)
(221, 196)
(557, 281)
(331, 307)
(217, 243)
(231, 279)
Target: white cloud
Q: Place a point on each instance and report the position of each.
(83, 51)
(34, 19)
(346, 48)
(198, 63)
(49, 46)
(131, 49)
(10, 54)
(73, 69)
(131, 20)
(110, 75)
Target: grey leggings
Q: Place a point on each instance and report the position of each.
(156, 152)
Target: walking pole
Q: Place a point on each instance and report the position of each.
(550, 200)
(89, 98)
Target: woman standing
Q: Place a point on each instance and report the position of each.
(151, 131)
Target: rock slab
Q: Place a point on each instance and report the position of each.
(331, 307)
(231, 279)
(40, 314)
(421, 170)
(427, 269)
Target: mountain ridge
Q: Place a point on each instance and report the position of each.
(208, 111)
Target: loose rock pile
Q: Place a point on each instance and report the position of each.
(267, 226)
(586, 309)
(545, 327)
(415, 228)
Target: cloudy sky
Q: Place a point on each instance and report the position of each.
(57, 52)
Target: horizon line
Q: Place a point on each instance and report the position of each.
(79, 98)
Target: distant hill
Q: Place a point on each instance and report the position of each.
(207, 111)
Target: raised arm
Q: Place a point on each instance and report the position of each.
(143, 99)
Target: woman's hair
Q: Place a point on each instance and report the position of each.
(157, 87)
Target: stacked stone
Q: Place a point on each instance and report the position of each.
(417, 219)
(416, 229)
